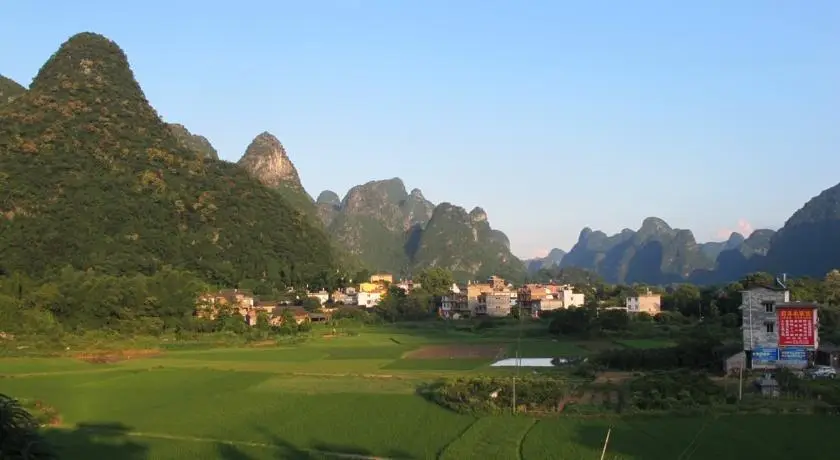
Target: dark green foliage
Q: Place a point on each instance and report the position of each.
(311, 304)
(9, 90)
(90, 177)
(695, 352)
(672, 390)
(586, 321)
(568, 275)
(76, 301)
(396, 305)
(493, 395)
(392, 230)
(435, 281)
(465, 245)
(193, 142)
(19, 436)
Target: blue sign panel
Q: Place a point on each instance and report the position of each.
(765, 355)
(793, 354)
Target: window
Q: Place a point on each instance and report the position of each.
(770, 327)
(768, 306)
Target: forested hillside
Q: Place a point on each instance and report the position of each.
(91, 177)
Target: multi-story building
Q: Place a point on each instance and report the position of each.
(474, 293)
(758, 314)
(495, 304)
(539, 297)
(649, 303)
(775, 331)
(571, 298)
(475, 298)
(454, 304)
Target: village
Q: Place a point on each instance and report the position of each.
(493, 297)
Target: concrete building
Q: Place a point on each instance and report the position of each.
(758, 313)
(454, 304)
(570, 298)
(649, 303)
(777, 332)
(539, 297)
(496, 304)
(368, 299)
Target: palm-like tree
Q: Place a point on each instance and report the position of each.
(19, 436)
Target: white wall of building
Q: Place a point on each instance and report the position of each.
(368, 299)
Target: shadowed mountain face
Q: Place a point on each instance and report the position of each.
(655, 254)
(659, 254)
(99, 181)
(391, 229)
(807, 245)
(713, 248)
(809, 242)
(553, 259)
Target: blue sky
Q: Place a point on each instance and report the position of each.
(551, 115)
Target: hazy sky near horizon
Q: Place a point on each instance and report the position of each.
(551, 115)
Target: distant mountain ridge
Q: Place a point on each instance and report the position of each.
(659, 254)
(384, 227)
(392, 229)
(552, 259)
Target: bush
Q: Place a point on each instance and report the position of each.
(673, 391)
(695, 353)
(493, 395)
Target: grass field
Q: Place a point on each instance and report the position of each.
(355, 396)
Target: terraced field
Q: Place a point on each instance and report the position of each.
(353, 397)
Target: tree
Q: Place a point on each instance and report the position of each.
(435, 281)
(614, 320)
(19, 436)
(311, 304)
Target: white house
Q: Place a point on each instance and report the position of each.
(368, 299)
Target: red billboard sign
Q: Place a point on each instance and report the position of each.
(796, 326)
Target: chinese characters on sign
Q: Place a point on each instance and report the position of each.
(796, 326)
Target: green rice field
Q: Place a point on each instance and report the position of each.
(354, 397)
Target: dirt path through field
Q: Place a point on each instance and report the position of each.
(142, 434)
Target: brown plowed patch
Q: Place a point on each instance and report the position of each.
(613, 377)
(456, 351)
(106, 357)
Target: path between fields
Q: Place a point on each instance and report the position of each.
(142, 434)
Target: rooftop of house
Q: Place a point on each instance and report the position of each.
(231, 292)
(295, 310)
(796, 304)
(767, 287)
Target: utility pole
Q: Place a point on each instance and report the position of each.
(741, 377)
(606, 441)
(518, 358)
